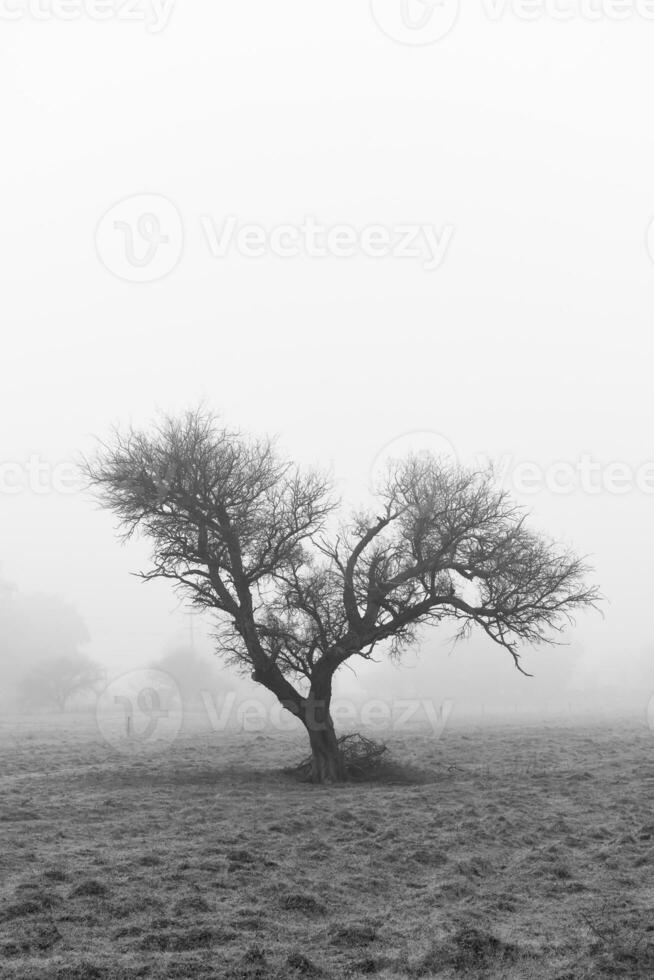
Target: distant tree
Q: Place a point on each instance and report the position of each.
(35, 628)
(243, 532)
(193, 673)
(56, 681)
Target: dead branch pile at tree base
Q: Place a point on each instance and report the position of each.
(361, 757)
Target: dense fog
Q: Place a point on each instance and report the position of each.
(529, 356)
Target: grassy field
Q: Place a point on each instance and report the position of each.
(514, 852)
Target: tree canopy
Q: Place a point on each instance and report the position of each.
(299, 588)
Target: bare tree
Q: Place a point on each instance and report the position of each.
(58, 680)
(243, 532)
(35, 629)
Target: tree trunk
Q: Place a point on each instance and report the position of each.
(314, 713)
(327, 762)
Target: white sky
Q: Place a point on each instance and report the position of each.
(532, 339)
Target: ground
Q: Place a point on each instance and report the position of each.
(513, 852)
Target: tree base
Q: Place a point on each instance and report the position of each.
(358, 757)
